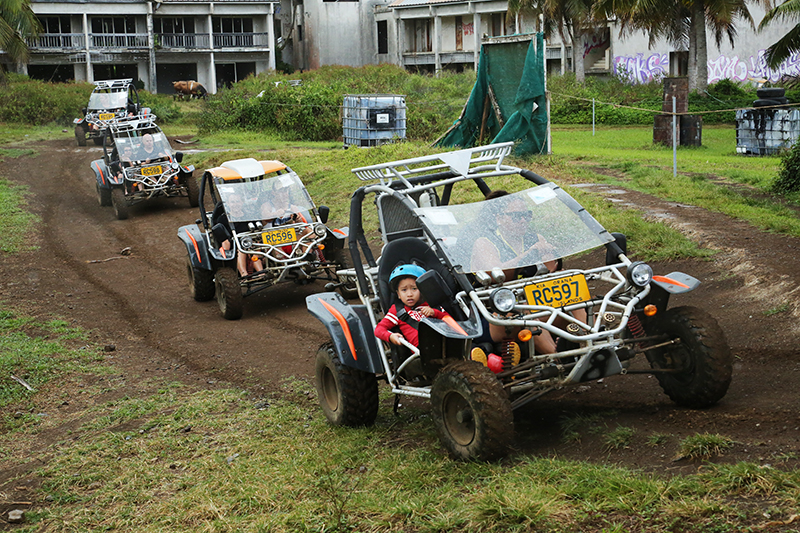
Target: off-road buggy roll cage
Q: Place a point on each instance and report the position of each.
(625, 305)
(128, 174)
(291, 242)
(110, 100)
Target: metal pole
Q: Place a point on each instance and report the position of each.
(592, 117)
(674, 139)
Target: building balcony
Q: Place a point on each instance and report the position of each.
(241, 40)
(449, 57)
(183, 41)
(56, 42)
(119, 41)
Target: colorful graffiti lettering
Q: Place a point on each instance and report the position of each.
(638, 69)
(754, 68)
(469, 28)
(595, 41)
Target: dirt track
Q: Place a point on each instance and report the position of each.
(141, 304)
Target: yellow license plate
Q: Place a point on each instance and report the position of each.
(558, 292)
(105, 116)
(281, 236)
(152, 171)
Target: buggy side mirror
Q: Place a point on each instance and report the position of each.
(324, 211)
(221, 233)
(434, 289)
(178, 156)
(613, 249)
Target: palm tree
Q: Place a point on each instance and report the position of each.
(681, 23)
(17, 21)
(789, 43)
(572, 18)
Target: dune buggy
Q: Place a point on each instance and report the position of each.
(603, 317)
(260, 228)
(110, 100)
(138, 165)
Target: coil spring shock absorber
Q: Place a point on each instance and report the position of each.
(635, 326)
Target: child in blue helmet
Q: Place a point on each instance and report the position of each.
(403, 280)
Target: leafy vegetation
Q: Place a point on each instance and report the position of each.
(788, 181)
(310, 110)
(15, 220)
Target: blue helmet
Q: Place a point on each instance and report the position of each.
(404, 271)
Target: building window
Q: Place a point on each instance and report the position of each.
(55, 24)
(232, 25)
(383, 37)
(111, 25)
(498, 24)
(299, 32)
(421, 38)
(173, 25)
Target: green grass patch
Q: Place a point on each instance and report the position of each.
(16, 224)
(174, 458)
(704, 446)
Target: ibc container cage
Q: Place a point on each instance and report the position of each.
(766, 131)
(373, 119)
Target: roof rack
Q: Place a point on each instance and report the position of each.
(113, 84)
(460, 161)
(140, 121)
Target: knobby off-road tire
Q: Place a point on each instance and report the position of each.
(120, 203)
(229, 293)
(703, 357)
(348, 290)
(80, 135)
(193, 191)
(201, 282)
(103, 195)
(348, 396)
(471, 412)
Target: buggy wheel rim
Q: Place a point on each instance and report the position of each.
(329, 390)
(459, 419)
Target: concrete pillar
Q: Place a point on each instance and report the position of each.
(273, 45)
(151, 48)
(437, 43)
(212, 74)
(476, 23)
(89, 70)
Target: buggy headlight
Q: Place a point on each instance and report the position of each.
(174, 165)
(320, 230)
(503, 300)
(247, 243)
(640, 274)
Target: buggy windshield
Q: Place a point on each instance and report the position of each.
(266, 199)
(521, 229)
(108, 100)
(142, 146)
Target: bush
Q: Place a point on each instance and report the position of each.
(788, 180)
(311, 110)
(35, 102)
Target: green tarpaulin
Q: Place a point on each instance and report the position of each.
(511, 79)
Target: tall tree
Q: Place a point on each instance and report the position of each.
(17, 21)
(572, 19)
(789, 43)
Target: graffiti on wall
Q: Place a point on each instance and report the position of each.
(754, 68)
(641, 69)
(469, 28)
(595, 41)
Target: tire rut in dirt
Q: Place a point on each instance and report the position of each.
(703, 354)
(471, 412)
(348, 396)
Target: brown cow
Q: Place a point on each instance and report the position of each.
(189, 88)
